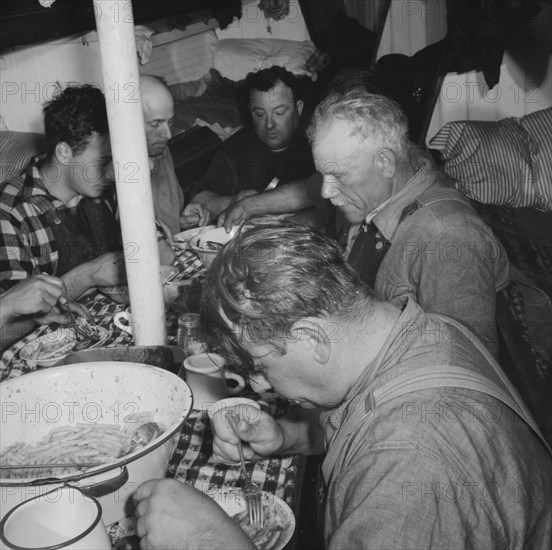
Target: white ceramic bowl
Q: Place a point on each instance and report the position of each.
(108, 392)
(207, 244)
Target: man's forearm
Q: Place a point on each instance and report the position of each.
(213, 202)
(77, 281)
(290, 197)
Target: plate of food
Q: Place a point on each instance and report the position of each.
(48, 349)
(208, 243)
(182, 239)
(279, 521)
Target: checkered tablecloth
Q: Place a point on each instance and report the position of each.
(102, 310)
(192, 461)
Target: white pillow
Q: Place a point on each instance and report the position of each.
(504, 162)
(234, 58)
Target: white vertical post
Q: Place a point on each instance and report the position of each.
(115, 25)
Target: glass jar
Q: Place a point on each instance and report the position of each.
(189, 336)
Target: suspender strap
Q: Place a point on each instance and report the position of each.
(446, 376)
(459, 377)
(441, 377)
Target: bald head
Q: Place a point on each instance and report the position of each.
(158, 108)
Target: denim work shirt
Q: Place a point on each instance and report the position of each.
(439, 468)
(443, 255)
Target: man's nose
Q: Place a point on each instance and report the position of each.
(270, 122)
(329, 187)
(259, 383)
(167, 133)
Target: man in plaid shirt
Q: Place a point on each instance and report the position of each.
(52, 218)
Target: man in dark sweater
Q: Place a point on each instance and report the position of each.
(272, 146)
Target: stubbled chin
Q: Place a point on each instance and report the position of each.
(156, 151)
(351, 216)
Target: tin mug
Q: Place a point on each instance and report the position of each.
(209, 381)
(64, 519)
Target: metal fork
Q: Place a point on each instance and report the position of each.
(251, 491)
(274, 182)
(80, 334)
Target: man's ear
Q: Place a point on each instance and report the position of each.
(63, 152)
(311, 335)
(299, 104)
(387, 162)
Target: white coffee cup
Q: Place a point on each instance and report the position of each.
(208, 380)
(62, 519)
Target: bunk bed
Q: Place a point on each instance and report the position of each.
(25, 22)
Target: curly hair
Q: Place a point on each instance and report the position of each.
(266, 79)
(270, 276)
(73, 115)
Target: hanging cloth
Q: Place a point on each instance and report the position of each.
(275, 9)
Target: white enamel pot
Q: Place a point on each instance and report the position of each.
(106, 392)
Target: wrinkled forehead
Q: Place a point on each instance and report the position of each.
(280, 94)
(337, 138)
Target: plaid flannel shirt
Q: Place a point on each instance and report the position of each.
(27, 243)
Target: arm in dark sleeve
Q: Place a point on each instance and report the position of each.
(218, 186)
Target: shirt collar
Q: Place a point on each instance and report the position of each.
(396, 342)
(387, 216)
(33, 184)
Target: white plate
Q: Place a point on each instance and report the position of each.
(233, 503)
(182, 239)
(63, 338)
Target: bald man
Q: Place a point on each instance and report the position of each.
(168, 199)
